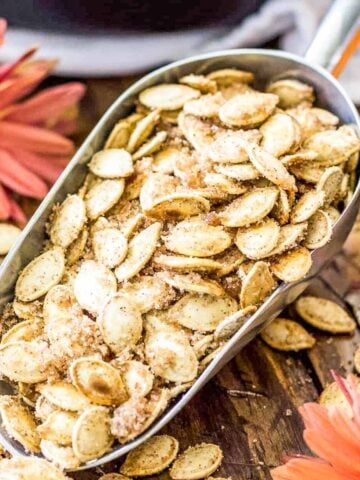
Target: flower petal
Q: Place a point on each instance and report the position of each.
(5, 206)
(16, 87)
(306, 469)
(3, 26)
(352, 384)
(47, 104)
(65, 126)
(45, 168)
(18, 178)
(332, 449)
(34, 139)
(334, 435)
(329, 439)
(33, 66)
(7, 69)
(60, 162)
(17, 213)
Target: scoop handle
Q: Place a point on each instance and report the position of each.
(333, 31)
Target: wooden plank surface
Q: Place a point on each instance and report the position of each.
(250, 407)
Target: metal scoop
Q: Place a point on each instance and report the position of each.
(267, 65)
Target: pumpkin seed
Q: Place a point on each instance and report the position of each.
(330, 184)
(110, 247)
(230, 325)
(291, 92)
(58, 427)
(257, 241)
(61, 456)
(257, 285)
(181, 264)
(280, 134)
(197, 462)
(120, 323)
(120, 134)
(171, 96)
(287, 335)
(332, 146)
(292, 265)
(248, 110)
(162, 346)
(193, 283)
(19, 423)
(200, 82)
(91, 435)
(142, 131)
(307, 205)
(196, 238)
(98, 381)
(228, 76)
(140, 251)
(40, 275)
(148, 292)
(137, 377)
(151, 146)
(271, 168)
(23, 361)
(64, 396)
(319, 230)
(249, 208)
(112, 163)
(151, 457)
(8, 235)
(324, 314)
(94, 285)
(205, 106)
(35, 468)
(201, 312)
(241, 172)
(103, 196)
(229, 146)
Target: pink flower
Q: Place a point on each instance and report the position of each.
(33, 148)
(333, 435)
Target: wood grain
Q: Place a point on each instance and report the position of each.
(250, 407)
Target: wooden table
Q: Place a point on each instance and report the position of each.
(250, 407)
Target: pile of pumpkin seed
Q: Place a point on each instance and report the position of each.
(201, 201)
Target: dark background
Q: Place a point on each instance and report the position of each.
(82, 16)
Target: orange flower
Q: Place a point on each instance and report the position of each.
(334, 435)
(33, 148)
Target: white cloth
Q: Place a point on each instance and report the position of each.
(106, 55)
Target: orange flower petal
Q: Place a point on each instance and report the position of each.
(16, 177)
(341, 456)
(45, 168)
(65, 126)
(353, 391)
(17, 213)
(331, 427)
(347, 430)
(306, 469)
(5, 207)
(33, 66)
(34, 139)
(12, 89)
(3, 26)
(60, 161)
(47, 104)
(8, 68)
(333, 435)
